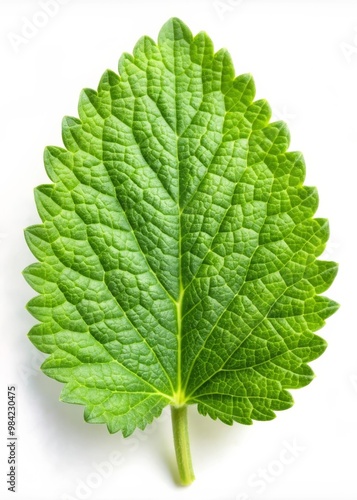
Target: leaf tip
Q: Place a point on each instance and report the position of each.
(175, 29)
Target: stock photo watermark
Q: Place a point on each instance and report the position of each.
(31, 370)
(11, 444)
(93, 480)
(225, 7)
(262, 478)
(102, 471)
(349, 48)
(353, 380)
(33, 24)
(284, 114)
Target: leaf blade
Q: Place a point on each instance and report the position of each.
(178, 246)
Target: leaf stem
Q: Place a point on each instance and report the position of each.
(182, 444)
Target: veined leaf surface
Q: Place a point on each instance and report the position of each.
(177, 250)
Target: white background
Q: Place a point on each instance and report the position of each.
(303, 56)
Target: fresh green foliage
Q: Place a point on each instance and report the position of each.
(177, 250)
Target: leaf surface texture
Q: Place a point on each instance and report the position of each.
(177, 250)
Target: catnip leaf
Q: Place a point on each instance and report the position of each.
(177, 254)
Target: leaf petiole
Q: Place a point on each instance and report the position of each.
(182, 444)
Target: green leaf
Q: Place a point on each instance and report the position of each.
(178, 249)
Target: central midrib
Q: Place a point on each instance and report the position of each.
(179, 398)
